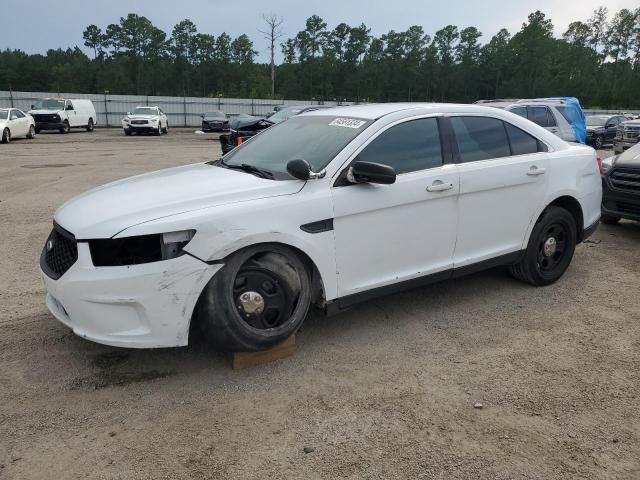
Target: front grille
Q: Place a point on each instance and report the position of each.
(59, 253)
(627, 179)
(630, 208)
(628, 133)
(139, 122)
(46, 118)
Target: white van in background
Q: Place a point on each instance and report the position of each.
(63, 114)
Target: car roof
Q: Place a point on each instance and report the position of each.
(378, 110)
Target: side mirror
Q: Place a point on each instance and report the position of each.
(609, 125)
(301, 170)
(369, 172)
(69, 107)
(128, 113)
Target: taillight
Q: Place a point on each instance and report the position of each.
(239, 141)
(600, 169)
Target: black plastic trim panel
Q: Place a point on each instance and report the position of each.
(318, 227)
(340, 304)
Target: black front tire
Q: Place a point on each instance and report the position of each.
(609, 219)
(66, 128)
(537, 267)
(288, 288)
(32, 132)
(6, 136)
(127, 132)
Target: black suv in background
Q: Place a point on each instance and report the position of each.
(601, 129)
(621, 187)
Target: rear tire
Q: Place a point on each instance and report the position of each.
(609, 219)
(32, 132)
(6, 136)
(550, 249)
(270, 276)
(90, 125)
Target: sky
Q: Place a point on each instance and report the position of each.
(37, 26)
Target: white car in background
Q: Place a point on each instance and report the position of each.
(63, 114)
(14, 123)
(548, 114)
(145, 120)
(330, 208)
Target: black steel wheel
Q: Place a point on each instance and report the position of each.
(550, 248)
(257, 300)
(599, 141)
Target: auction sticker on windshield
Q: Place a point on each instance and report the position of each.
(348, 122)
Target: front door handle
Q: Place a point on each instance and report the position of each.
(439, 186)
(535, 171)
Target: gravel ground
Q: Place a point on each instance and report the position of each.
(386, 390)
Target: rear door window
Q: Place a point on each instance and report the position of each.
(407, 147)
(480, 138)
(522, 111)
(521, 142)
(541, 116)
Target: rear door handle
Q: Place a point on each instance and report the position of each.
(439, 186)
(535, 171)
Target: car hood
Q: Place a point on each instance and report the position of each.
(105, 211)
(244, 122)
(44, 112)
(629, 158)
(595, 128)
(141, 117)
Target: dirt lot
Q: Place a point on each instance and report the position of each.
(386, 390)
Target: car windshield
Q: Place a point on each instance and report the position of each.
(49, 104)
(316, 139)
(4, 114)
(284, 114)
(597, 121)
(145, 111)
(215, 115)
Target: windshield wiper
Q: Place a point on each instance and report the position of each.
(245, 167)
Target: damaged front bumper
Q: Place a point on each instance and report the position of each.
(138, 306)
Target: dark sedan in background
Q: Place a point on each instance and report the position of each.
(215, 121)
(601, 129)
(246, 126)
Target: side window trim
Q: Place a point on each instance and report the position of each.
(542, 146)
(445, 147)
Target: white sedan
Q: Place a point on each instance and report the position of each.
(14, 123)
(330, 208)
(146, 120)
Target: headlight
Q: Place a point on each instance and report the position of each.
(607, 163)
(113, 252)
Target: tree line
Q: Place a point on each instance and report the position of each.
(597, 60)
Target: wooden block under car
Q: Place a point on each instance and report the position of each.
(251, 359)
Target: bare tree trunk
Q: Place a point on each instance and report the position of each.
(272, 34)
